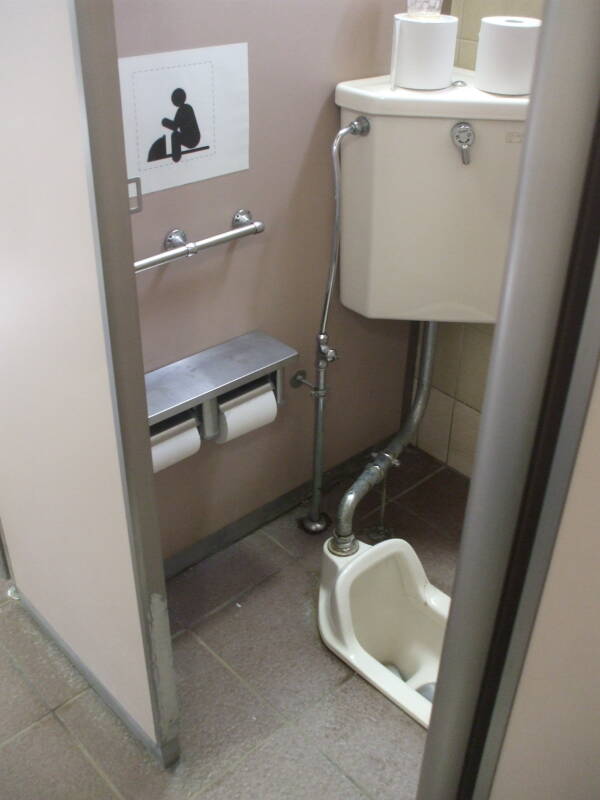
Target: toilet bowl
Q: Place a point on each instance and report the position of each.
(380, 614)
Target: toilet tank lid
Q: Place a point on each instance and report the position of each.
(376, 96)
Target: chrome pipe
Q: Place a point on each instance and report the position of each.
(316, 520)
(359, 127)
(343, 542)
(192, 248)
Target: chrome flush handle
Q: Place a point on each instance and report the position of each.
(463, 136)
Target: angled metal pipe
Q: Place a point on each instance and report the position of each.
(343, 542)
(359, 127)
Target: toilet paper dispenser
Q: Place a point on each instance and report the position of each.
(199, 387)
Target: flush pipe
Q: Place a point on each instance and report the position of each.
(316, 520)
(344, 542)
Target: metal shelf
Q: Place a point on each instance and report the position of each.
(203, 377)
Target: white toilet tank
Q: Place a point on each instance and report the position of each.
(424, 236)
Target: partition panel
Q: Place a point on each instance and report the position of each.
(82, 555)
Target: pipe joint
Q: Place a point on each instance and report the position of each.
(360, 127)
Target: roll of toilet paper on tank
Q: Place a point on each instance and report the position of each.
(506, 54)
(174, 444)
(423, 51)
(246, 413)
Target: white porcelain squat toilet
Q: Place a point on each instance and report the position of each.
(380, 614)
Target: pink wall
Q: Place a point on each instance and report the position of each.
(298, 51)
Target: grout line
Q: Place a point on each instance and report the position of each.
(234, 599)
(349, 778)
(16, 661)
(443, 531)
(232, 765)
(454, 399)
(215, 780)
(71, 700)
(31, 684)
(89, 758)
(286, 717)
(274, 541)
(461, 355)
(23, 731)
(394, 497)
(236, 674)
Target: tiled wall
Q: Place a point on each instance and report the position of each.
(470, 12)
(451, 424)
(449, 429)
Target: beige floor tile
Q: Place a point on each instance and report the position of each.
(39, 659)
(286, 766)
(270, 638)
(217, 580)
(370, 739)
(4, 585)
(440, 501)
(44, 763)
(221, 721)
(20, 703)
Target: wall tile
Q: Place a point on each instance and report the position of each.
(467, 53)
(447, 357)
(474, 10)
(434, 430)
(457, 8)
(470, 13)
(463, 438)
(484, 328)
(473, 367)
(525, 8)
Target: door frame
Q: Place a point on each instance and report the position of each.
(462, 746)
(94, 32)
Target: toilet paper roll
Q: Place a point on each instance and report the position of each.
(423, 51)
(506, 54)
(174, 444)
(246, 413)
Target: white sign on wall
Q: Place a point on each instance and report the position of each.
(185, 115)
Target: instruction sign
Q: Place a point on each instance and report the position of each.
(185, 115)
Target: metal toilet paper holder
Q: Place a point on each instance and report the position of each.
(195, 384)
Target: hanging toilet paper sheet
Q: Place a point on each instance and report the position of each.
(174, 444)
(246, 413)
(506, 54)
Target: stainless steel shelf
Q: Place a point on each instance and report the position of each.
(205, 376)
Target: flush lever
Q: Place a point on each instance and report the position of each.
(463, 136)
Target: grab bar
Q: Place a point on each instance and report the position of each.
(177, 246)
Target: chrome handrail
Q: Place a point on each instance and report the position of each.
(242, 225)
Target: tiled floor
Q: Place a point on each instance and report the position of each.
(267, 710)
